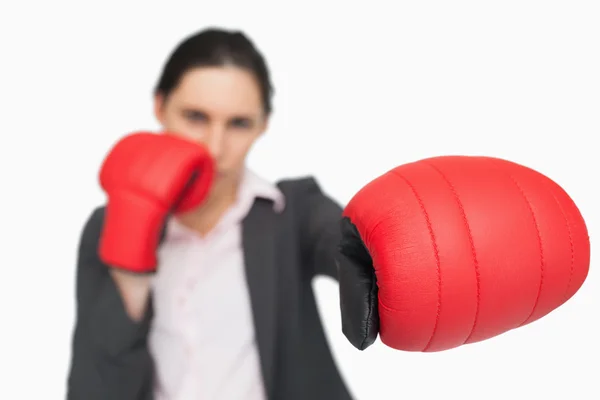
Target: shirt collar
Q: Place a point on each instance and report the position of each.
(252, 187)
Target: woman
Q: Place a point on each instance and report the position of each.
(230, 312)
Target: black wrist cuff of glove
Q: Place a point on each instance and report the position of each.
(358, 288)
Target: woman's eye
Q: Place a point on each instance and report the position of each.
(241, 123)
(195, 116)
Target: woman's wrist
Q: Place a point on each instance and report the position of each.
(134, 290)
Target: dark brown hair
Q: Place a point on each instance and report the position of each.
(214, 48)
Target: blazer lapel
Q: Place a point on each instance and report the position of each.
(258, 238)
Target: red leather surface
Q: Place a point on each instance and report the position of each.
(146, 176)
(466, 248)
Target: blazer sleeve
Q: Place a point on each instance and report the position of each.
(110, 360)
(320, 227)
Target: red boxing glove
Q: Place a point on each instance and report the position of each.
(453, 250)
(146, 177)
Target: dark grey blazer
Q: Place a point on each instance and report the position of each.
(283, 252)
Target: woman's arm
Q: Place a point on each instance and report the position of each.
(320, 222)
(110, 359)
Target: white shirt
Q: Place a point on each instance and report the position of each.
(202, 336)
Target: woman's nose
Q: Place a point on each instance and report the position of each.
(214, 141)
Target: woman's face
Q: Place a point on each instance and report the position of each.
(220, 107)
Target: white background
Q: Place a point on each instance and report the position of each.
(359, 90)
